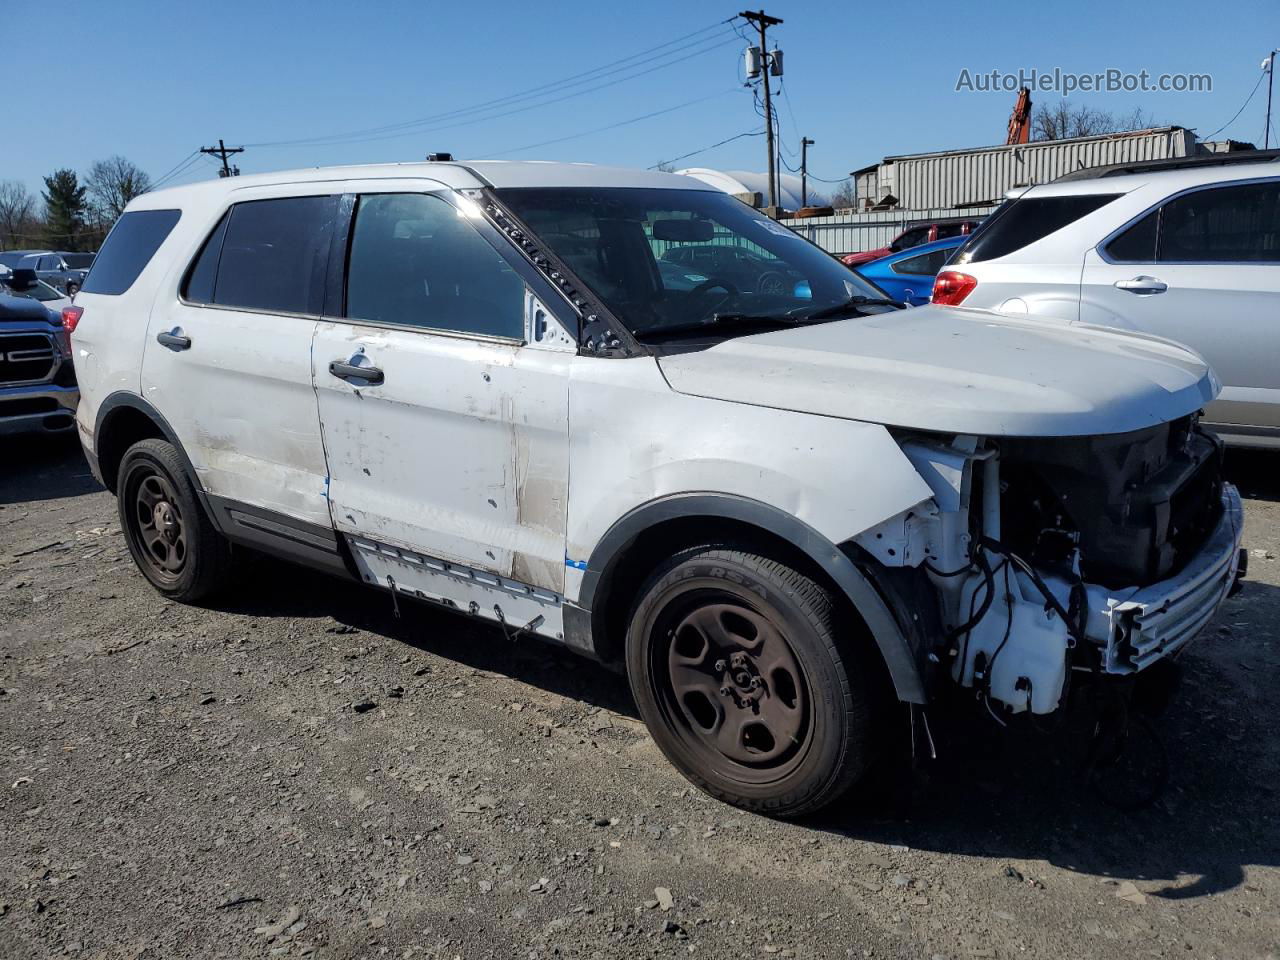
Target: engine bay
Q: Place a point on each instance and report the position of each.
(1055, 556)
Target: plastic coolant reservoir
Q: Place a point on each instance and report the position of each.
(1029, 670)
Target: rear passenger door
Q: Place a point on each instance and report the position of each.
(1203, 268)
(228, 363)
(442, 377)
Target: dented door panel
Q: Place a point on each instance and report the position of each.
(459, 453)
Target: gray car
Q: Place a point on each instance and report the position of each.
(63, 269)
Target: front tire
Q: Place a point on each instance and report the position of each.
(747, 684)
(169, 535)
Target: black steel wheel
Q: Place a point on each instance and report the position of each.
(743, 679)
(170, 537)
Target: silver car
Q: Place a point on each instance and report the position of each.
(1188, 251)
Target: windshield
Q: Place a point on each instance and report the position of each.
(663, 258)
(37, 291)
(78, 261)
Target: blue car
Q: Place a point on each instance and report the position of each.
(908, 275)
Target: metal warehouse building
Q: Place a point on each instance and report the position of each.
(983, 175)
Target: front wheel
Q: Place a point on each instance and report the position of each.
(170, 537)
(746, 683)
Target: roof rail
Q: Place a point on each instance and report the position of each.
(1171, 163)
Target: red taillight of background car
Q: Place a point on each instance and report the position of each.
(71, 317)
(950, 287)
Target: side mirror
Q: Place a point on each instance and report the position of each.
(683, 231)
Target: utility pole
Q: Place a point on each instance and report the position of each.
(222, 151)
(763, 21)
(805, 144)
(1270, 64)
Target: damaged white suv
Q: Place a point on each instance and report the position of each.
(779, 502)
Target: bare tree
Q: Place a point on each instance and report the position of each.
(1063, 120)
(17, 212)
(845, 196)
(112, 184)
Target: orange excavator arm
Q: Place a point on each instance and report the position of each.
(1020, 120)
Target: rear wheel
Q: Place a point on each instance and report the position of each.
(742, 677)
(170, 537)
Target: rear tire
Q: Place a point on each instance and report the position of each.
(747, 684)
(169, 535)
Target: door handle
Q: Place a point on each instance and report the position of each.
(349, 371)
(174, 339)
(1141, 285)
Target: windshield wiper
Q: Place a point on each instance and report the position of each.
(717, 320)
(851, 305)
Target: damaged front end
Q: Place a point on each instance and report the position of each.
(1049, 556)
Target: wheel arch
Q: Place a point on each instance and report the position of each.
(636, 542)
(124, 419)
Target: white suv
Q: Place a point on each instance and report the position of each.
(782, 509)
(1187, 250)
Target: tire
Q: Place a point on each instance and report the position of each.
(787, 730)
(169, 535)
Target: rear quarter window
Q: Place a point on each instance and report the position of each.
(1026, 220)
(128, 249)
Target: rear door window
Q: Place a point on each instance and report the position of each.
(271, 256)
(912, 238)
(1235, 224)
(129, 247)
(1026, 220)
(923, 265)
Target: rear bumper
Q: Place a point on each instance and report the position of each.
(1139, 626)
(42, 408)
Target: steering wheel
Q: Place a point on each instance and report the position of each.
(697, 296)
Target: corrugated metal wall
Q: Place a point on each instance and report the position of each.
(855, 232)
(983, 176)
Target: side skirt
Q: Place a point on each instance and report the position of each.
(281, 536)
(517, 607)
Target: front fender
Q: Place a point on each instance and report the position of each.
(897, 652)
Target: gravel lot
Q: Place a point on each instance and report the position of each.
(301, 773)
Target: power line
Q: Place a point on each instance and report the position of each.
(718, 143)
(161, 179)
(192, 159)
(506, 113)
(589, 78)
(1238, 112)
(620, 123)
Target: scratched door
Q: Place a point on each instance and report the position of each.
(445, 421)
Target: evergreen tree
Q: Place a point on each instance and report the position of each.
(64, 202)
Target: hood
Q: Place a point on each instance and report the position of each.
(25, 310)
(951, 370)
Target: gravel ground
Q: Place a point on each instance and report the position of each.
(299, 772)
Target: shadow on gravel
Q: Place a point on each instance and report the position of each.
(43, 467)
(1024, 793)
(277, 589)
(1255, 472)
(1007, 794)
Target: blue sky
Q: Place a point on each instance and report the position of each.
(154, 80)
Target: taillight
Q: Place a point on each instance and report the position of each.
(950, 287)
(71, 317)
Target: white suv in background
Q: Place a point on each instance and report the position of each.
(793, 514)
(1188, 250)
